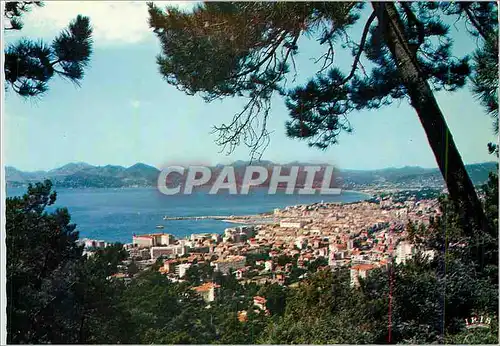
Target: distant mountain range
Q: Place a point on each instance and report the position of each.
(80, 174)
(84, 175)
(411, 176)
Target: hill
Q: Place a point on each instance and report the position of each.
(81, 174)
(141, 175)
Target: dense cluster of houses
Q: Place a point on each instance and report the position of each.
(362, 236)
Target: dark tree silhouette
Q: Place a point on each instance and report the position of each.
(14, 11)
(484, 24)
(29, 64)
(42, 262)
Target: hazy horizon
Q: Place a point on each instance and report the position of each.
(229, 163)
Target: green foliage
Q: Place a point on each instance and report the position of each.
(110, 257)
(246, 49)
(201, 272)
(42, 262)
(317, 263)
(14, 11)
(157, 265)
(276, 298)
(295, 275)
(132, 268)
(485, 79)
(319, 109)
(164, 312)
(56, 295)
(324, 309)
(429, 298)
(490, 190)
(483, 20)
(283, 260)
(101, 317)
(445, 233)
(241, 37)
(29, 64)
(254, 257)
(482, 336)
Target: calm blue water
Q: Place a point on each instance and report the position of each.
(116, 214)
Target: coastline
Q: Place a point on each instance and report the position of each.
(259, 218)
(115, 214)
(9, 185)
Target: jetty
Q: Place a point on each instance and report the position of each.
(232, 217)
(242, 220)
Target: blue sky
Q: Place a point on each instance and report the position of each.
(125, 113)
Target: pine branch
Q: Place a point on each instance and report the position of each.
(230, 134)
(480, 29)
(361, 47)
(418, 24)
(269, 55)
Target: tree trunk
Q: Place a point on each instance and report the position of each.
(81, 333)
(460, 187)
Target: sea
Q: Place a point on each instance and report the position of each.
(115, 215)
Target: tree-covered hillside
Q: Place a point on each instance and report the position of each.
(57, 295)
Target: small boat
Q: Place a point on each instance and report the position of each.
(160, 227)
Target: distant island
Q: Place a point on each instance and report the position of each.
(84, 175)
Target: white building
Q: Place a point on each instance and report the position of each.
(231, 262)
(429, 254)
(322, 252)
(200, 236)
(268, 265)
(167, 239)
(360, 271)
(260, 302)
(143, 241)
(240, 273)
(159, 251)
(301, 242)
(208, 291)
(154, 239)
(292, 224)
(168, 251)
(181, 269)
(404, 251)
(91, 243)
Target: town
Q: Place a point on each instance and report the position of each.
(362, 236)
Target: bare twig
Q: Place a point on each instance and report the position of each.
(244, 124)
(361, 47)
(269, 55)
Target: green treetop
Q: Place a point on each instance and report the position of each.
(30, 64)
